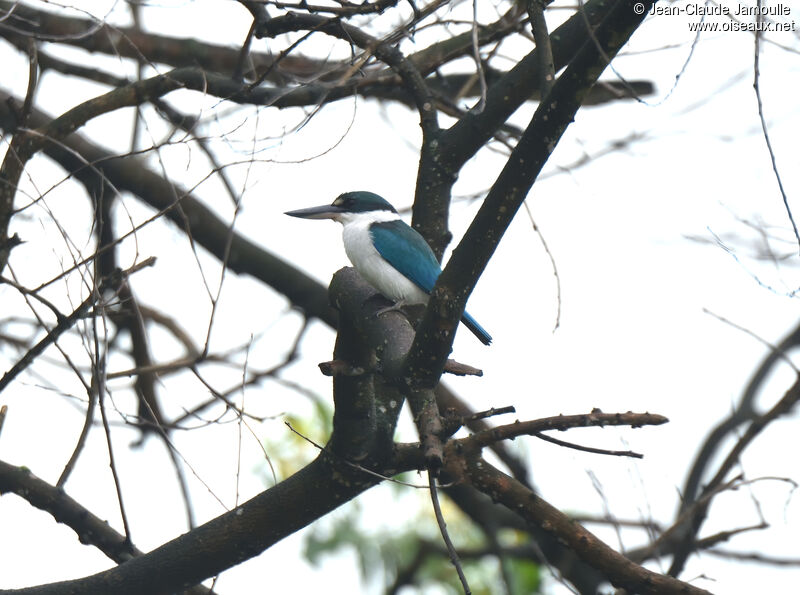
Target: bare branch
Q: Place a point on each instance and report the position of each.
(620, 571)
(451, 550)
(562, 422)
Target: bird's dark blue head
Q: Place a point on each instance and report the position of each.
(349, 202)
(362, 202)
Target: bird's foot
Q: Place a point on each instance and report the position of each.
(396, 307)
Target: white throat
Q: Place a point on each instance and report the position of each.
(358, 245)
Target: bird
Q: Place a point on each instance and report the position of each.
(387, 252)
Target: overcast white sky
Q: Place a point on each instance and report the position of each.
(634, 333)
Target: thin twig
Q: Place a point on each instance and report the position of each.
(599, 451)
(451, 550)
(780, 353)
(3, 411)
(33, 80)
(35, 295)
(699, 510)
(552, 263)
(183, 485)
(355, 465)
(76, 452)
(476, 55)
(757, 88)
(50, 338)
(64, 354)
(98, 383)
(241, 421)
(757, 557)
(494, 411)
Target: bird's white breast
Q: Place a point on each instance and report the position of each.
(371, 265)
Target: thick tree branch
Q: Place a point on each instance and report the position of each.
(130, 42)
(385, 52)
(90, 529)
(436, 331)
(439, 167)
(322, 486)
(113, 281)
(368, 403)
(619, 571)
(462, 140)
(493, 517)
(745, 411)
(685, 532)
(87, 161)
(326, 483)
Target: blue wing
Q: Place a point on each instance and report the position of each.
(406, 251)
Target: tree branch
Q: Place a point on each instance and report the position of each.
(620, 571)
(87, 161)
(435, 333)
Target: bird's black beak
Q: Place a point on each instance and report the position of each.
(321, 212)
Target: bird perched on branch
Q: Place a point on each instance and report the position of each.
(388, 253)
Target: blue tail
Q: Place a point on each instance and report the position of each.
(476, 329)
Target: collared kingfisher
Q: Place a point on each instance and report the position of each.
(388, 253)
